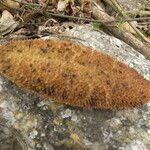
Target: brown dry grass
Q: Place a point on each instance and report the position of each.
(73, 74)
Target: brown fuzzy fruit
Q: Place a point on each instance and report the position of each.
(73, 74)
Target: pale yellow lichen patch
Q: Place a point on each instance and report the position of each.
(26, 123)
(75, 137)
(74, 141)
(55, 107)
(58, 121)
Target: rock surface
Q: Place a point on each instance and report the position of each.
(134, 5)
(29, 122)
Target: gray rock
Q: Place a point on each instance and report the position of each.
(131, 5)
(45, 125)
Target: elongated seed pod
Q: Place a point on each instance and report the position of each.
(73, 74)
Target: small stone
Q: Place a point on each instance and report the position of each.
(74, 118)
(33, 134)
(148, 131)
(66, 114)
(43, 134)
(38, 145)
(45, 107)
(115, 122)
(40, 104)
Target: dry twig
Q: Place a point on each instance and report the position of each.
(130, 23)
(120, 33)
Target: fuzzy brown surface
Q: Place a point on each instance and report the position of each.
(73, 74)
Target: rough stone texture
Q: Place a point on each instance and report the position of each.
(34, 123)
(131, 5)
